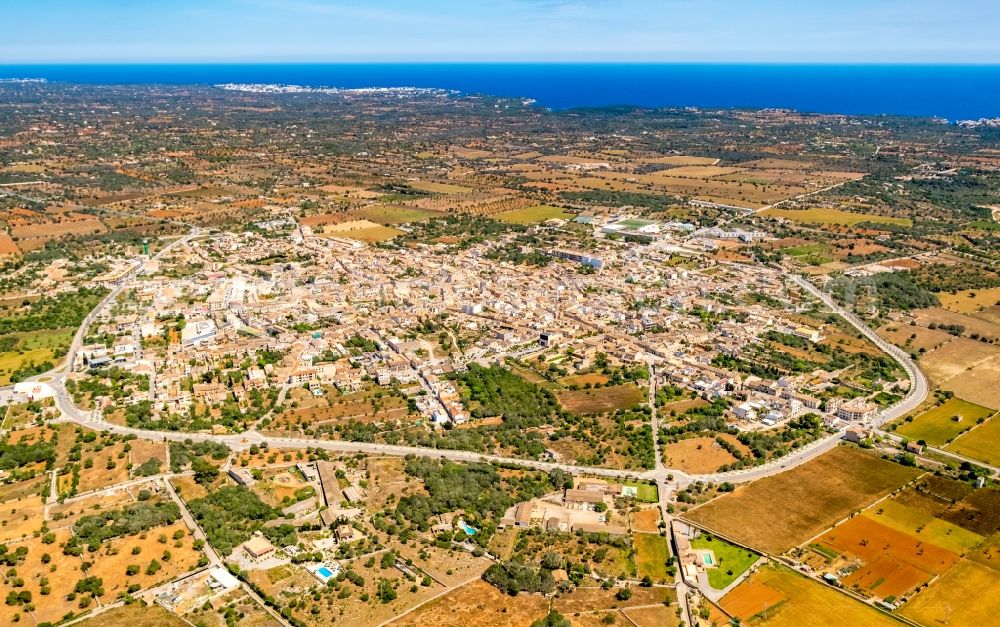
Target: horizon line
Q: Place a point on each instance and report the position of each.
(510, 62)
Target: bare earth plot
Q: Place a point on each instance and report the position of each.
(782, 511)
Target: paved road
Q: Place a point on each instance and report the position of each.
(918, 382)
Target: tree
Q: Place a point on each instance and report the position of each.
(553, 619)
(386, 592)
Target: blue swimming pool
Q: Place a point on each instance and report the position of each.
(324, 571)
(469, 530)
(707, 559)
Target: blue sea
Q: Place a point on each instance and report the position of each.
(953, 92)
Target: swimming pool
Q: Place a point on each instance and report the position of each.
(324, 571)
(707, 559)
(469, 530)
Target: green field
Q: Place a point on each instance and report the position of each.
(937, 426)
(982, 443)
(923, 525)
(731, 560)
(651, 554)
(533, 215)
(645, 492)
(31, 346)
(390, 214)
(814, 254)
(833, 216)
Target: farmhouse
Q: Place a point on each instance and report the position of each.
(258, 548)
(583, 499)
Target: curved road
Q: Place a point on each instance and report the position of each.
(661, 474)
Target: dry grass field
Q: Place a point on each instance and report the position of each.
(136, 616)
(777, 597)
(914, 338)
(972, 324)
(979, 383)
(477, 603)
(451, 567)
(145, 450)
(361, 230)
(21, 517)
(954, 358)
(647, 520)
(969, 301)
(601, 400)
(99, 475)
(62, 572)
(655, 616)
(968, 594)
(696, 455)
(595, 599)
(780, 512)
(116, 555)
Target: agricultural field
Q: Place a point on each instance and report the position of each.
(601, 400)
(651, 554)
(978, 384)
(833, 216)
(777, 513)
(981, 443)
(923, 525)
(534, 215)
(938, 425)
(438, 188)
(968, 594)
(955, 358)
(387, 215)
(775, 596)
(972, 324)
(730, 561)
(892, 563)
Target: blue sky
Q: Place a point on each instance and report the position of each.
(907, 31)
